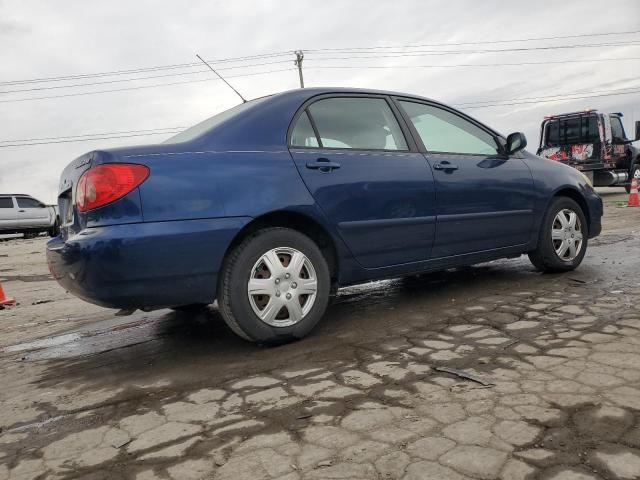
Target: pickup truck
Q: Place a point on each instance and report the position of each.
(24, 214)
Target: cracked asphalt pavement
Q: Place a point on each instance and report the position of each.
(164, 395)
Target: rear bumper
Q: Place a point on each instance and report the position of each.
(144, 265)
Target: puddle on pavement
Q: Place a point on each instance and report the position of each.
(43, 343)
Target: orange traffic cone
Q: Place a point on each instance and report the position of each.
(4, 300)
(633, 194)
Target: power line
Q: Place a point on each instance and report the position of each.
(616, 90)
(143, 69)
(289, 52)
(542, 100)
(472, 105)
(106, 82)
(313, 66)
(85, 139)
(419, 53)
(485, 42)
(169, 129)
(141, 78)
(462, 65)
(27, 99)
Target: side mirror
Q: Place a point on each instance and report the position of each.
(637, 129)
(41, 205)
(515, 142)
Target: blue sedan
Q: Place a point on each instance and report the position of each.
(271, 206)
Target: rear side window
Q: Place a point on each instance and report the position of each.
(571, 131)
(6, 202)
(303, 134)
(357, 123)
(28, 203)
(446, 132)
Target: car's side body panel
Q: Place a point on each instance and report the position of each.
(164, 243)
(382, 203)
(486, 203)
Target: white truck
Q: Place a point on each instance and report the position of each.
(24, 214)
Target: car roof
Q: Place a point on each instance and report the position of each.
(310, 92)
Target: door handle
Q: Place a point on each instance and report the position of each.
(323, 164)
(21, 211)
(445, 166)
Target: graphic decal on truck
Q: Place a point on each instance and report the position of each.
(582, 151)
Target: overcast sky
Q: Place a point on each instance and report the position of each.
(42, 39)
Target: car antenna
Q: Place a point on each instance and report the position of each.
(244, 100)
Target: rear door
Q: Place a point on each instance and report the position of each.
(8, 213)
(484, 200)
(355, 160)
(32, 213)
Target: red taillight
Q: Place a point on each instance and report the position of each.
(106, 183)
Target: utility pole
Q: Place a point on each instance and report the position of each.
(298, 63)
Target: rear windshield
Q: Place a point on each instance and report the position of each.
(572, 130)
(206, 125)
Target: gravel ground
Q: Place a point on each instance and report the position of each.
(85, 394)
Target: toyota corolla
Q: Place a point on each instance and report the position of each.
(273, 205)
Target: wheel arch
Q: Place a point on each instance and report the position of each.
(575, 195)
(296, 221)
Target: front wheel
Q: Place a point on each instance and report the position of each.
(274, 286)
(562, 243)
(635, 173)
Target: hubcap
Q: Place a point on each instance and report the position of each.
(566, 234)
(282, 287)
(636, 174)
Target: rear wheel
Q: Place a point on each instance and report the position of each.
(274, 286)
(563, 237)
(54, 231)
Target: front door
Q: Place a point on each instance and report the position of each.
(32, 213)
(484, 200)
(355, 161)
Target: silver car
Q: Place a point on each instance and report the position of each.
(24, 214)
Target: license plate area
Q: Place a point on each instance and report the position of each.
(65, 204)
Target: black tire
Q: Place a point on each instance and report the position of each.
(54, 231)
(233, 298)
(544, 257)
(634, 172)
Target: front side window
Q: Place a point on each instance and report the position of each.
(443, 131)
(6, 202)
(357, 123)
(28, 203)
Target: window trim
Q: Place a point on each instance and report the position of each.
(408, 138)
(429, 103)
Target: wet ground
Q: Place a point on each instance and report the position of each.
(556, 395)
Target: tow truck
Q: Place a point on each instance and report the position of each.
(594, 143)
